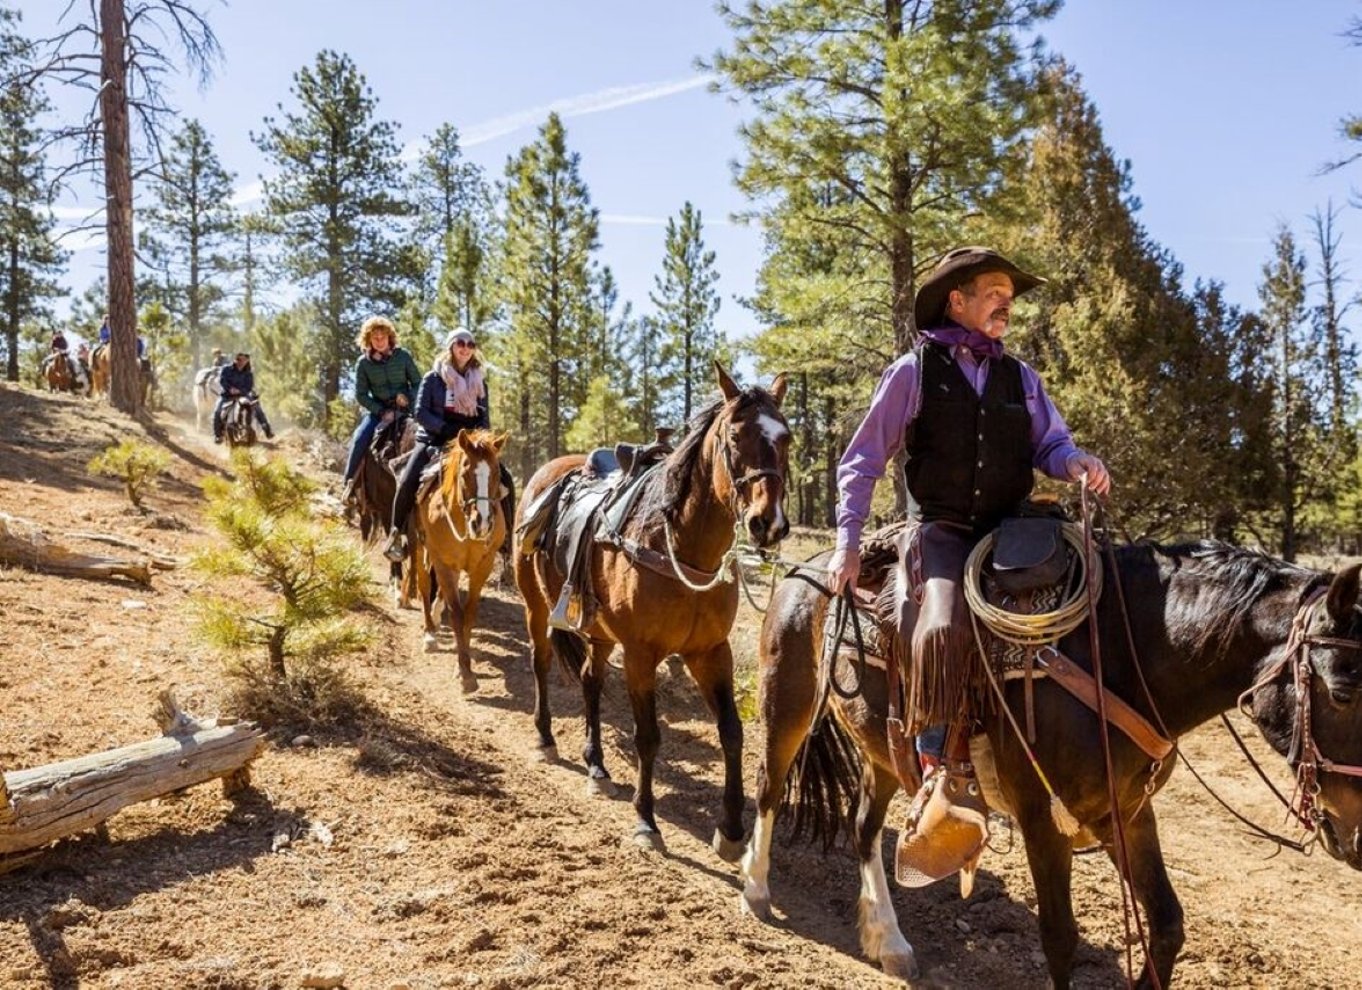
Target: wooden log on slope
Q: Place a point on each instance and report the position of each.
(25, 544)
(51, 802)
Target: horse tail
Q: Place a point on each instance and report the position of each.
(823, 785)
(570, 650)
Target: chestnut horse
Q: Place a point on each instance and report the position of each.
(1211, 624)
(727, 474)
(59, 371)
(462, 527)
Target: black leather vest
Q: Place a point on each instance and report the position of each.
(969, 456)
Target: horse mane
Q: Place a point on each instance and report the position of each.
(1229, 580)
(669, 489)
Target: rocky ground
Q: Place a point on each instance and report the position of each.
(421, 847)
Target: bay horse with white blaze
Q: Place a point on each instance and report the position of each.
(1212, 627)
(727, 474)
(462, 527)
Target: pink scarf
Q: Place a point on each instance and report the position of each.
(462, 389)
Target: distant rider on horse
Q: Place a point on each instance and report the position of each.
(237, 379)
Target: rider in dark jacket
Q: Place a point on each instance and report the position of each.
(237, 379)
(440, 417)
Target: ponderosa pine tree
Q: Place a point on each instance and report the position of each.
(193, 221)
(550, 234)
(1298, 383)
(1121, 346)
(125, 73)
(336, 200)
(910, 110)
(686, 303)
(30, 260)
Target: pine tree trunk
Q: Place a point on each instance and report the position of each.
(124, 372)
(12, 312)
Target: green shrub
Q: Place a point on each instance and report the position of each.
(283, 643)
(138, 465)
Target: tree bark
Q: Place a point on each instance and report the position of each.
(125, 375)
(47, 803)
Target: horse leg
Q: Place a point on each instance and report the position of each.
(1155, 893)
(640, 672)
(598, 781)
(477, 577)
(787, 700)
(448, 579)
(537, 625)
(713, 674)
(1050, 856)
(881, 938)
(424, 590)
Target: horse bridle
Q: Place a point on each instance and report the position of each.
(467, 536)
(1304, 753)
(737, 485)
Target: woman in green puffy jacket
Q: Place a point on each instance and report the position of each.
(386, 379)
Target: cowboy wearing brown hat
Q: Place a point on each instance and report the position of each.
(976, 423)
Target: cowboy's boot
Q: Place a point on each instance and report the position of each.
(947, 827)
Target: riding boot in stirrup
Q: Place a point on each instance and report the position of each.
(947, 827)
(396, 547)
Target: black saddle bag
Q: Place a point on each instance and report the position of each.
(1029, 553)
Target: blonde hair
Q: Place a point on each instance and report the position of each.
(373, 325)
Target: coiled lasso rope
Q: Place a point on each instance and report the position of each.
(1042, 627)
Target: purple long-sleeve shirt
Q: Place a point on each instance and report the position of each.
(897, 402)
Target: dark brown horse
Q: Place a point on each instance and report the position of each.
(1209, 622)
(728, 473)
(375, 488)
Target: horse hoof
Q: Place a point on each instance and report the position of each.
(900, 965)
(432, 643)
(757, 908)
(600, 787)
(648, 839)
(468, 684)
(544, 754)
(729, 850)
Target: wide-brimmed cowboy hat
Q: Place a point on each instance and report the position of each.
(957, 268)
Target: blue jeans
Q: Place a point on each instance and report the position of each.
(359, 442)
(931, 741)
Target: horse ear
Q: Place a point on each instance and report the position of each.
(1342, 597)
(499, 441)
(462, 439)
(726, 383)
(777, 388)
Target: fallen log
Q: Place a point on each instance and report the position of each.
(51, 802)
(25, 544)
(158, 561)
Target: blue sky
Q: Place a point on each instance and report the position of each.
(1226, 109)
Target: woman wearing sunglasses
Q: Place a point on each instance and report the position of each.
(452, 397)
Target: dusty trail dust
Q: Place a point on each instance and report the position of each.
(423, 848)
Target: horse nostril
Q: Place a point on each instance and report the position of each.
(756, 525)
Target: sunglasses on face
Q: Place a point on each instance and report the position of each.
(465, 343)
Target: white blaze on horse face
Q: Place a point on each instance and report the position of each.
(483, 474)
(775, 433)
